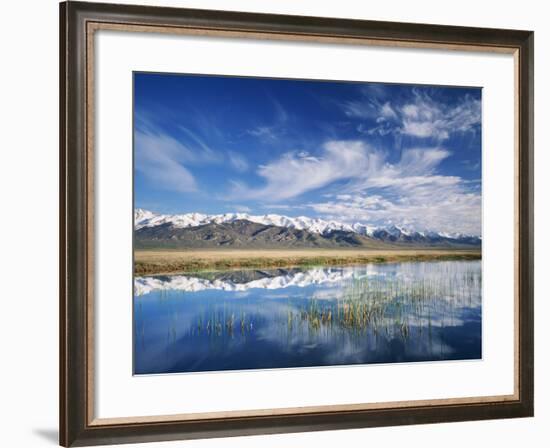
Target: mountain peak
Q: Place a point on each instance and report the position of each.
(145, 218)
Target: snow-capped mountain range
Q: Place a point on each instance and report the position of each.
(301, 279)
(145, 218)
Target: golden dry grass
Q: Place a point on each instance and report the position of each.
(172, 261)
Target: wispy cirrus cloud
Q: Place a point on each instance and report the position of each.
(162, 159)
(368, 188)
(237, 161)
(264, 132)
(298, 172)
(375, 153)
(207, 153)
(361, 165)
(272, 131)
(419, 115)
(369, 108)
(241, 208)
(166, 158)
(424, 117)
(409, 193)
(433, 204)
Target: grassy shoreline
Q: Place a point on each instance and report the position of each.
(149, 262)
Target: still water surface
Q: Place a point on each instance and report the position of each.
(375, 313)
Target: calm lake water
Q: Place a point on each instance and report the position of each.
(375, 313)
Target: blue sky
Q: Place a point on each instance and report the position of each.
(356, 152)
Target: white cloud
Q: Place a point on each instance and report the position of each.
(424, 117)
(271, 133)
(418, 161)
(425, 129)
(421, 116)
(368, 108)
(264, 132)
(409, 193)
(207, 153)
(433, 206)
(161, 159)
(383, 128)
(286, 207)
(387, 111)
(237, 161)
(242, 208)
(296, 173)
(164, 160)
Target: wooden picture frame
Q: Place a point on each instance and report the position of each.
(78, 22)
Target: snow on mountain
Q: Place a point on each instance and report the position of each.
(145, 218)
(363, 229)
(317, 276)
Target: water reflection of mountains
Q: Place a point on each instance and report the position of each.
(247, 276)
(244, 280)
(247, 279)
(374, 313)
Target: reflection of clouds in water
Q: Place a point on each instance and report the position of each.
(344, 345)
(328, 293)
(375, 347)
(271, 296)
(298, 278)
(242, 294)
(271, 279)
(421, 311)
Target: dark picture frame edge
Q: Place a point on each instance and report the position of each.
(77, 427)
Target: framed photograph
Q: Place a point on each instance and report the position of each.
(277, 224)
